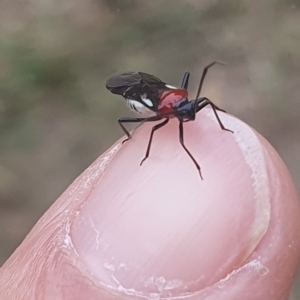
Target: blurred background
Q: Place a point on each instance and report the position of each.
(56, 117)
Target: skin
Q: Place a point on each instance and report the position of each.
(122, 231)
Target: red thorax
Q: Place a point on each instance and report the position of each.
(168, 99)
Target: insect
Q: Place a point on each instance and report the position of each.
(155, 100)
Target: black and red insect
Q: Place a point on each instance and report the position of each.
(156, 100)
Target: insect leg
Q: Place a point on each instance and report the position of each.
(128, 120)
(204, 102)
(204, 75)
(187, 151)
(134, 120)
(204, 99)
(151, 136)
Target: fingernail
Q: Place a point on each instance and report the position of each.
(158, 229)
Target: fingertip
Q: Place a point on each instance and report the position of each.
(163, 217)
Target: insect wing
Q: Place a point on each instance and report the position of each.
(151, 80)
(137, 86)
(119, 83)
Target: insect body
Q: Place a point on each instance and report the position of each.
(156, 100)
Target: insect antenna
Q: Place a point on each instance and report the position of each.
(185, 81)
(204, 75)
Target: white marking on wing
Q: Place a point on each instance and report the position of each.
(147, 101)
(134, 103)
(171, 87)
(140, 108)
